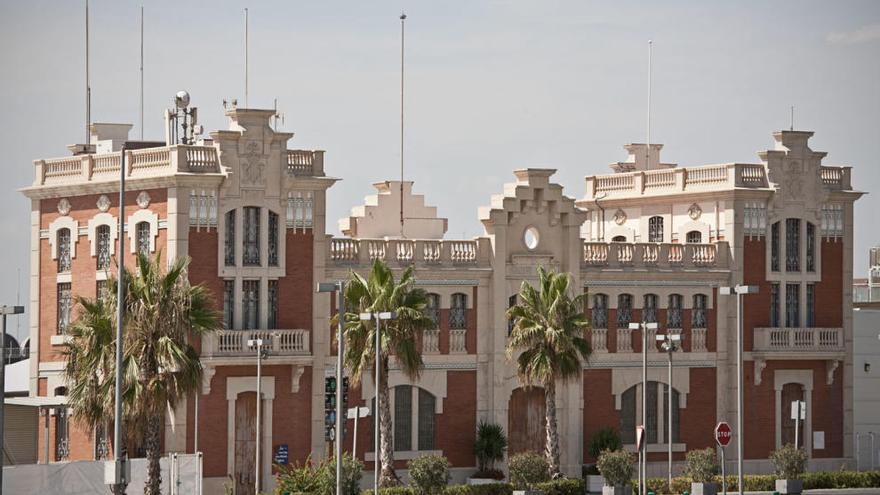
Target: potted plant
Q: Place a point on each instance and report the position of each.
(489, 448)
(604, 439)
(617, 468)
(789, 462)
(702, 466)
(527, 470)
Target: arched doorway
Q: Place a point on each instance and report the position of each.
(525, 420)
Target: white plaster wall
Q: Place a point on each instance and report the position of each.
(866, 384)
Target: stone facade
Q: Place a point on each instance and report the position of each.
(650, 242)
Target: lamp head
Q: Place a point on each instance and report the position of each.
(365, 316)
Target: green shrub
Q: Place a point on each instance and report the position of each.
(352, 471)
(789, 461)
(767, 483)
(616, 467)
(527, 469)
(490, 489)
(298, 478)
(563, 486)
(429, 474)
(604, 439)
(702, 465)
(489, 448)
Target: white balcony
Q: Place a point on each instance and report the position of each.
(799, 341)
(347, 251)
(457, 341)
(649, 254)
(431, 341)
(234, 343)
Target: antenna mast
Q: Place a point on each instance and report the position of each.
(88, 85)
(246, 104)
(142, 74)
(402, 22)
(648, 147)
(792, 118)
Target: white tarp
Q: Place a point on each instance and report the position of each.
(181, 474)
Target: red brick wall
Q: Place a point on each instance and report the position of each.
(829, 292)
(756, 307)
(296, 288)
(599, 411)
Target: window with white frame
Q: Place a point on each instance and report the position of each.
(65, 304)
(62, 241)
(142, 237)
(600, 311)
(792, 305)
(774, 306)
(774, 247)
(811, 305)
(100, 290)
(102, 442)
(432, 308)
(657, 409)
(228, 304)
(698, 313)
(229, 239)
(832, 220)
(755, 218)
(273, 239)
(811, 247)
(414, 418)
(655, 229)
(649, 311)
(624, 310)
(694, 237)
(673, 311)
(251, 236)
(250, 314)
(102, 250)
(792, 244)
(458, 311)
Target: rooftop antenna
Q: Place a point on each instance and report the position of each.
(142, 74)
(88, 84)
(277, 116)
(18, 303)
(246, 104)
(402, 22)
(792, 118)
(648, 139)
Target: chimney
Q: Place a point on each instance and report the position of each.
(640, 159)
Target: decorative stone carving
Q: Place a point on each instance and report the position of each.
(619, 216)
(64, 207)
(143, 199)
(830, 368)
(760, 364)
(793, 180)
(695, 211)
(103, 203)
(296, 372)
(207, 374)
(253, 164)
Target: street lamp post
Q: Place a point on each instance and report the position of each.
(339, 288)
(261, 354)
(670, 343)
(385, 315)
(739, 291)
(643, 451)
(5, 310)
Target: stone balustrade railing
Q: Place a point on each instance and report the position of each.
(431, 341)
(838, 178)
(799, 339)
(232, 343)
(624, 340)
(343, 250)
(648, 254)
(599, 339)
(698, 340)
(457, 341)
(147, 162)
(305, 163)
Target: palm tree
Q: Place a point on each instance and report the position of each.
(163, 313)
(379, 293)
(548, 329)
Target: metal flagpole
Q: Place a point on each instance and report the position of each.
(739, 389)
(340, 411)
(142, 74)
(402, 22)
(246, 89)
(669, 413)
(119, 461)
(88, 85)
(644, 449)
(376, 431)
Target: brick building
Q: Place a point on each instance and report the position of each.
(650, 242)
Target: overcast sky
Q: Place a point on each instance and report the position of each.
(491, 86)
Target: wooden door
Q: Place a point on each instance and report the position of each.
(245, 442)
(790, 393)
(525, 420)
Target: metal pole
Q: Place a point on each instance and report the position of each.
(118, 459)
(340, 412)
(3, 392)
(46, 433)
(246, 88)
(739, 392)
(723, 474)
(644, 480)
(871, 434)
(259, 401)
(376, 432)
(196, 426)
(797, 421)
(858, 451)
(402, 21)
(669, 413)
(354, 440)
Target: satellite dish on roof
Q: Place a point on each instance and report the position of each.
(181, 99)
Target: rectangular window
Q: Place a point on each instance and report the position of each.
(251, 305)
(811, 305)
(655, 229)
(600, 311)
(65, 301)
(651, 423)
(251, 237)
(100, 290)
(402, 418)
(229, 239)
(774, 306)
(628, 416)
(273, 239)
(102, 250)
(142, 237)
(63, 247)
(62, 437)
(675, 415)
(774, 247)
(792, 305)
(624, 310)
(673, 313)
(427, 404)
(432, 309)
(228, 304)
(650, 310)
(458, 312)
(273, 305)
(698, 314)
(811, 247)
(793, 245)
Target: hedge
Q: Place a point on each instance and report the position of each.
(767, 483)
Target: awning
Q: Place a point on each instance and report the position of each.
(57, 401)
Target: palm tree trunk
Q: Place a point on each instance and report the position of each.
(552, 431)
(387, 476)
(154, 475)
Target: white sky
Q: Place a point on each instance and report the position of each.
(491, 86)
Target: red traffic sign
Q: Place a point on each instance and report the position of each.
(722, 434)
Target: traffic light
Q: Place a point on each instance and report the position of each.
(344, 405)
(330, 408)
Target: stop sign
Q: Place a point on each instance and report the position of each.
(722, 434)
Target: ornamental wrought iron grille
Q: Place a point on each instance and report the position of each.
(811, 247)
(65, 301)
(251, 237)
(273, 304)
(774, 305)
(694, 237)
(774, 247)
(624, 310)
(458, 312)
(63, 246)
(62, 434)
(102, 250)
(251, 304)
(229, 239)
(142, 238)
(432, 309)
(793, 244)
(698, 314)
(673, 312)
(649, 312)
(655, 229)
(792, 305)
(273, 239)
(600, 311)
(228, 304)
(102, 443)
(811, 305)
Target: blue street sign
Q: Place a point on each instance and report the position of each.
(281, 456)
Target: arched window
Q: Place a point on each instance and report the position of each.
(600, 311)
(102, 250)
(618, 238)
(657, 408)
(432, 309)
(414, 409)
(624, 310)
(655, 229)
(694, 237)
(698, 313)
(458, 311)
(62, 241)
(142, 237)
(673, 311)
(649, 311)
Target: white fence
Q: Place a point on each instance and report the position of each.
(181, 474)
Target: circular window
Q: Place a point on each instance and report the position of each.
(530, 237)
